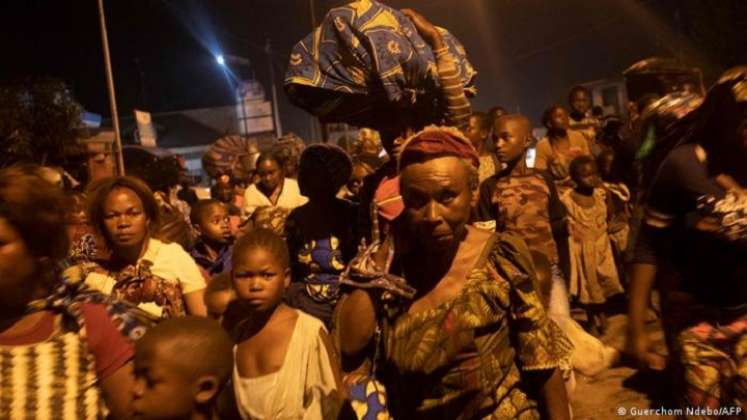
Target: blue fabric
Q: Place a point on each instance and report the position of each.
(222, 264)
(363, 58)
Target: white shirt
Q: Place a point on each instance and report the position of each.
(290, 197)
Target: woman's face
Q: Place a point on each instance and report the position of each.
(438, 200)
(125, 219)
(17, 265)
(269, 174)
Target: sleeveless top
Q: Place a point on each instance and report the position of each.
(303, 388)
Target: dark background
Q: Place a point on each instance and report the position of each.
(527, 52)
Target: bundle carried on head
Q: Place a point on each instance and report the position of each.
(364, 58)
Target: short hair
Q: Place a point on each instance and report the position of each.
(266, 239)
(580, 161)
(578, 88)
(515, 117)
(200, 208)
(483, 119)
(547, 115)
(99, 191)
(204, 346)
(36, 209)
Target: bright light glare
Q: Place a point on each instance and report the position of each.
(220, 60)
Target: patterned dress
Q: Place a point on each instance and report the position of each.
(465, 358)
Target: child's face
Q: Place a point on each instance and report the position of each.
(259, 279)
(580, 102)
(162, 389)
(586, 177)
(214, 225)
(510, 137)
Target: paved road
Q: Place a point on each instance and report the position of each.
(620, 392)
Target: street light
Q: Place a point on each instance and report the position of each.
(221, 61)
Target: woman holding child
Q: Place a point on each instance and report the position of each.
(161, 278)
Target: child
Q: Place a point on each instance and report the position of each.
(211, 251)
(284, 366)
(593, 276)
(181, 366)
(618, 202)
(320, 233)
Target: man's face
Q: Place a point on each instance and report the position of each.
(214, 224)
(580, 102)
(438, 200)
(510, 137)
(476, 133)
(163, 389)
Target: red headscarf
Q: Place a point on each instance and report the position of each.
(435, 142)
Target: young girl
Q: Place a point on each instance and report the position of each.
(284, 365)
(593, 276)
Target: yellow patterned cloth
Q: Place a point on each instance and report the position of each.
(363, 58)
(464, 359)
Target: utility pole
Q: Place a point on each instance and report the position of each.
(275, 113)
(110, 85)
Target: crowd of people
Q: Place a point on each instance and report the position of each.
(432, 270)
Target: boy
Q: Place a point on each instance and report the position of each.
(211, 223)
(181, 366)
(522, 200)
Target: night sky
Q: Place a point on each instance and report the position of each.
(527, 52)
